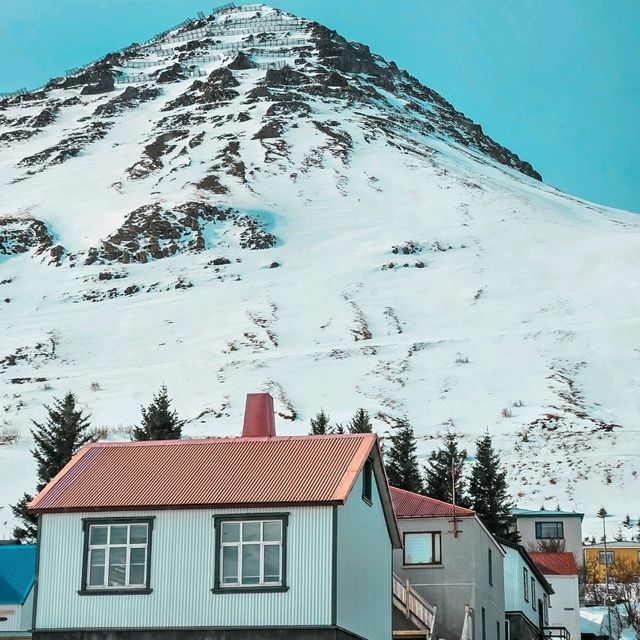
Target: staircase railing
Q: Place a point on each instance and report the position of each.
(414, 605)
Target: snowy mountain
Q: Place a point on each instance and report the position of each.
(250, 202)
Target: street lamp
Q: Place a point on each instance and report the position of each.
(602, 513)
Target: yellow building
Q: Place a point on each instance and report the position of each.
(621, 557)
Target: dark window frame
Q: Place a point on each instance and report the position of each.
(433, 549)
(525, 577)
(534, 601)
(559, 529)
(490, 560)
(85, 590)
(497, 629)
(484, 624)
(367, 482)
(217, 568)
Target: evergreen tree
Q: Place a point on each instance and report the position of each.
(626, 523)
(360, 423)
(57, 440)
(402, 466)
(439, 468)
(159, 420)
(618, 537)
(338, 428)
(489, 492)
(320, 424)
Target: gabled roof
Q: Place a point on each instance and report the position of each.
(407, 504)
(545, 513)
(216, 472)
(555, 564)
(17, 572)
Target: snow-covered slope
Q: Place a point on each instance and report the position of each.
(257, 204)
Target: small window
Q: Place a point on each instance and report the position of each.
(638, 559)
(117, 555)
(507, 630)
(484, 624)
(490, 560)
(549, 530)
(525, 578)
(366, 482)
(534, 602)
(251, 552)
(422, 548)
(497, 631)
(606, 558)
(546, 604)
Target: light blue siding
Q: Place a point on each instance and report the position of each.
(182, 566)
(364, 567)
(18, 617)
(514, 586)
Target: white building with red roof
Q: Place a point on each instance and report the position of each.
(561, 571)
(257, 536)
(454, 563)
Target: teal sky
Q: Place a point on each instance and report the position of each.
(556, 81)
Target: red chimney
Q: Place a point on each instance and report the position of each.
(259, 417)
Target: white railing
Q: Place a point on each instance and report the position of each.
(467, 626)
(414, 605)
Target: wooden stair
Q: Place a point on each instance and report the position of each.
(416, 609)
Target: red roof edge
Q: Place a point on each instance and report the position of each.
(555, 564)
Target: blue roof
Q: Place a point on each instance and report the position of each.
(545, 513)
(17, 572)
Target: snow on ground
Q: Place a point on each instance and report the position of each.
(524, 318)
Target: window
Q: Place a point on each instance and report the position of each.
(117, 555)
(525, 578)
(546, 605)
(534, 602)
(549, 530)
(422, 548)
(507, 630)
(606, 558)
(366, 482)
(490, 559)
(251, 553)
(497, 631)
(484, 624)
(638, 559)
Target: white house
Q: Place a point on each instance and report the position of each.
(260, 536)
(17, 577)
(561, 571)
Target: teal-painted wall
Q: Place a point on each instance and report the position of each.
(18, 616)
(364, 567)
(182, 572)
(514, 586)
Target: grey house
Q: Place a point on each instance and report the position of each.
(551, 530)
(454, 563)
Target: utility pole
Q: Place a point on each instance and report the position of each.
(453, 499)
(602, 513)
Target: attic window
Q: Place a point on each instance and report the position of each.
(367, 482)
(117, 555)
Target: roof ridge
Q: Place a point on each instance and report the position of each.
(420, 495)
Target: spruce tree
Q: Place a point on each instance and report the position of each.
(439, 469)
(159, 420)
(56, 441)
(626, 522)
(488, 490)
(338, 428)
(320, 424)
(360, 423)
(401, 460)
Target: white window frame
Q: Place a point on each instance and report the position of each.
(525, 579)
(107, 547)
(263, 543)
(601, 557)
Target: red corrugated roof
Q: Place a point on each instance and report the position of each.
(216, 472)
(407, 504)
(555, 564)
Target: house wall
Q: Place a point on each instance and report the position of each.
(462, 578)
(564, 604)
(572, 526)
(514, 587)
(18, 617)
(364, 567)
(629, 555)
(182, 576)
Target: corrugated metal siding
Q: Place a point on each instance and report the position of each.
(364, 567)
(514, 586)
(182, 564)
(215, 473)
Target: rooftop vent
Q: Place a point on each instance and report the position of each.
(259, 417)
